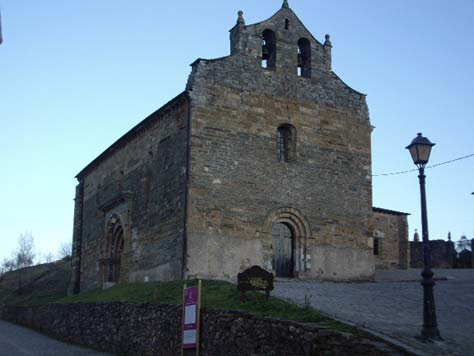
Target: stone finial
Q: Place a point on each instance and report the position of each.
(240, 19)
(328, 41)
(285, 4)
(416, 237)
(449, 235)
(328, 50)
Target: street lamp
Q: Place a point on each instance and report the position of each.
(420, 149)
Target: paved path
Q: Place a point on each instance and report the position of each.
(19, 341)
(395, 308)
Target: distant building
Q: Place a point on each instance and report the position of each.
(463, 244)
(391, 247)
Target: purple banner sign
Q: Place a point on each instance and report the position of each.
(190, 317)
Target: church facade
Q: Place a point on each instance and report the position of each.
(264, 159)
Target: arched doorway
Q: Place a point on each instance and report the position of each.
(113, 252)
(287, 230)
(283, 247)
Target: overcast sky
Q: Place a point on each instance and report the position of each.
(76, 75)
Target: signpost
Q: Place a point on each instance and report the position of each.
(254, 278)
(191, 313)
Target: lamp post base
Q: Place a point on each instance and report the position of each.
(430, 333)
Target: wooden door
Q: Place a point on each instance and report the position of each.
(282, 250)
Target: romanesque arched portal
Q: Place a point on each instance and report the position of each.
(289, 230)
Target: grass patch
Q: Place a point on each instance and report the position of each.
(217, 295)
(36, 284)
(35, 299)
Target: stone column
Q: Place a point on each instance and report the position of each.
(74, 284)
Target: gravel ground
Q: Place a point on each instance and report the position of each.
(394, 308)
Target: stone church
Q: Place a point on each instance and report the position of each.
(264, 159)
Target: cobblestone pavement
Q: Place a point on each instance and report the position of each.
(394, 308)
(19, 341)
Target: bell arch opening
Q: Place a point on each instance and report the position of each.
(268, 49)
(304, 58)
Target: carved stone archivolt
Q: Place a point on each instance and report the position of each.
(300, 229)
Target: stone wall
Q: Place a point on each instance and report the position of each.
(390, 231)
(443, 254)
(238, 186)
(151, 329)
(140, 183)
(464, 259)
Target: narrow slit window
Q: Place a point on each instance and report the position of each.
(287, 24)
(376, 246)
(286, 143)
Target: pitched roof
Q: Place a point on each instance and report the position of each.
(387, 211)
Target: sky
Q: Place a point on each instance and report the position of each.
(76, 75)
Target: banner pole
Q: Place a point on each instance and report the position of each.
(182, 321)
(198, 337)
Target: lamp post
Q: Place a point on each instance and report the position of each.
(420, 149)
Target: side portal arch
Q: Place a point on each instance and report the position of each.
(112, 251)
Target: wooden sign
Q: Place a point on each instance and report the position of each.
(191, 313)
(255, 279)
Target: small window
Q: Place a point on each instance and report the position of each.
(304, 58)
(376, 246)
(268, 50)
(286, 143)
(287, 24)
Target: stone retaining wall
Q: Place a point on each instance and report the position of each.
(443, 254)
(152, 329)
